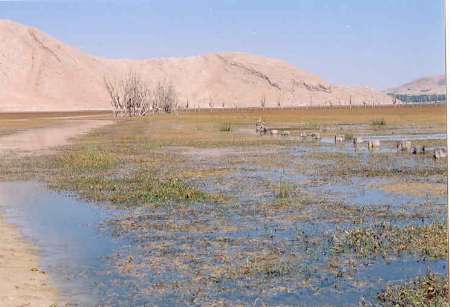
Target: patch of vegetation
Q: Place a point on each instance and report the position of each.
(89, 159)
(405, 171)
(349, 136)
(340, 164)
(118, 163)
(384, 239)
(267, 264)
(139, 189)
(104, 173)
(226, 127)
(311, 125)
(285, 190)
(429, 290)
(379, 122)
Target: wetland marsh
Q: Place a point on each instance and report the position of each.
(196, 208)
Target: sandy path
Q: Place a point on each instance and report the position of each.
(22, 282)
(35, 141)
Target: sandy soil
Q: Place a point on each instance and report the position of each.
(35, 141)
(416, 188)
(22, 282)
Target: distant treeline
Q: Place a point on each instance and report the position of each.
(420, 98)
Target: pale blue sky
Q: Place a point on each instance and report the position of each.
(379, 43)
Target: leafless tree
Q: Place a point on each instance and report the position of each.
(262, 102)
(211, 104)
(164, 98)
(129, 95)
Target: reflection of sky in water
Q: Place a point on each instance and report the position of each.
(76, 254)
(66, 231)
(363, 192)
(410, 137)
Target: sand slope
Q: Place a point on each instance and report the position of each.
(39, 73)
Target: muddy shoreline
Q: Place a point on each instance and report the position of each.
(23, 281)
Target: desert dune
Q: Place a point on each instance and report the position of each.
(40, 73)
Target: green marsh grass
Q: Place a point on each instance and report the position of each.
(428, 290)
(384, 239)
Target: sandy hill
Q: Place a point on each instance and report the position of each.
(434, 85)
(40, 73)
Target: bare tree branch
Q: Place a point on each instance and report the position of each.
(131, 96)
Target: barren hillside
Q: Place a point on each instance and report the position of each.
(434, 85)
(425, 90)
(39, 73)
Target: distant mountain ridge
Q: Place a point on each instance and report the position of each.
(40, 73)
(427, 89)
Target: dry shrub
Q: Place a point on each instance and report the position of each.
(131, 96)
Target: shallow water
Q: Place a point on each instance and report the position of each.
(76, 249)
(83, 249)
(66, 231)
(409, 137)
(363, 192)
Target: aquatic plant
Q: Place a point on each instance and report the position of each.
(284, 188)
(90, 158)
(384, 239)
(429, 290)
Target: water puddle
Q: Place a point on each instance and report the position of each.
(362, 192)
(66, 230)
